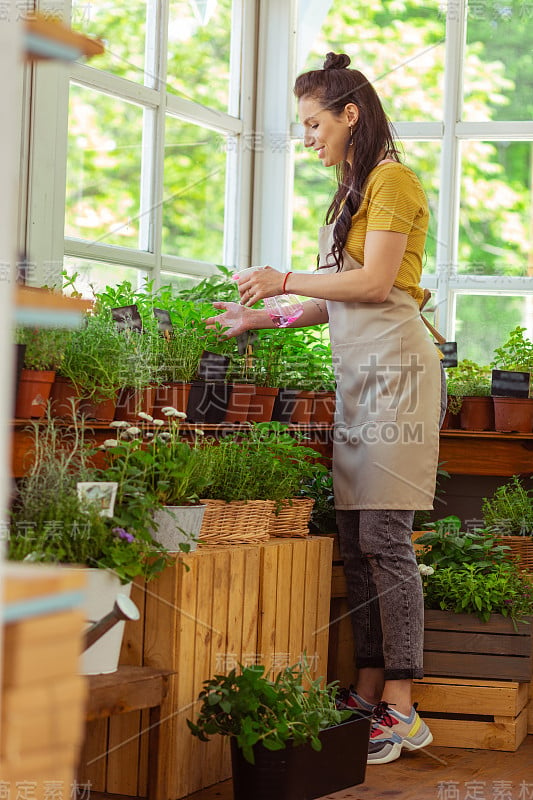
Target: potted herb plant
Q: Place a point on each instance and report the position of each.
(43, 354)
(160, 477)
(511, 383)
(253, 474)
(478, 607)
(288, 739)
(508, 515)
(469, 389)
(96, 361)
(52, 521)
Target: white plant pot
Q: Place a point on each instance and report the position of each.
(101, 591)
(178, 525)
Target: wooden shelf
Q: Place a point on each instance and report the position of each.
(43, 307)
(486, 453)
(48, 38)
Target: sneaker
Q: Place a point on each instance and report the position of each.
(349, 700)
(392, 732)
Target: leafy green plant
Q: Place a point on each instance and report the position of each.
(474, 589)
(447, 546)
(44, 347)
(516, 354)
(99, 358)
(319, 488)
(256, 709)
(467, 379)
(264, 462)
(510, 509)
(51, 523)
(151, 460)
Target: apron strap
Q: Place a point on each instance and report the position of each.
(434, 332)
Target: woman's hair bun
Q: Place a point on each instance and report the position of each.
(336, 61)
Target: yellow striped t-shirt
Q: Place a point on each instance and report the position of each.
(394, 201)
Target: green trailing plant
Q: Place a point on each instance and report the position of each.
(510, 509)
(253, 708)
(473, 589)
(51, 523)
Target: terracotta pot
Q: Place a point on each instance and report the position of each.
(131, 401)
(477, 414)
(64, 398)
(324, 407)
(171, 394)
(262, 404)
(239, 402)
(303, 408)
(33, 393)
(513, 414)
(98, 410)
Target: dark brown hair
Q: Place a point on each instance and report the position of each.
(334, 86)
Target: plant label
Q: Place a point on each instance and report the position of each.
(506, 383)
(449, 352)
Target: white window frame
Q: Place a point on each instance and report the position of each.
(45, 242)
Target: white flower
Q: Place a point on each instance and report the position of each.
(164, 436)
(170, 411)
(424, 569)
(159, 422)
(110, 443)
(149, 435)
(119, 424)
(199, 432)
(144, 415)
(133, 431)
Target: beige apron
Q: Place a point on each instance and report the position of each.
(386, 431)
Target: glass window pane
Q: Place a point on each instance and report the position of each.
(314, 187)
(483, 322)
(496, 210)
(96, 275)
(103, 168)
(178, 282)
(498, 71)
(398, 46)
(122, 27)
(199, 39)
(194, 192)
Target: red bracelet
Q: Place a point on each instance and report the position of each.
(283, 289)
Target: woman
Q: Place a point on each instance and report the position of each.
(386, 431)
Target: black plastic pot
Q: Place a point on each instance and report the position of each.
(284, 405)
(301, 773)
(208, 402)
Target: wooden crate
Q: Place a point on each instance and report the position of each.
(462, 646)
(485, 715)
(43, 695)
(267, 603)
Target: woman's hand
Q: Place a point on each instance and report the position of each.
(235, 319)
(264, 282)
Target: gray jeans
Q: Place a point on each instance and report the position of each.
(384, 587)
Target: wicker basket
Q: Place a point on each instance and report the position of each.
(293, 518)
(235, 522)
(521, 550)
